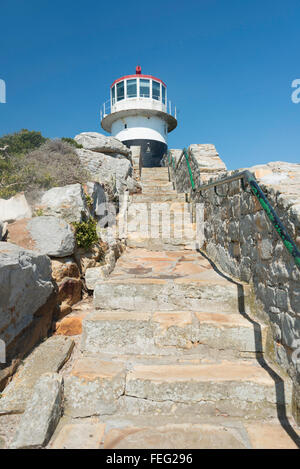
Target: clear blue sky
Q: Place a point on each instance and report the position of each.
(228, 64)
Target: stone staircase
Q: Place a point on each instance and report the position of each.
(169, 357)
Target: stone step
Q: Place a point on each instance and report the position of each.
(167, 294)
(167, 333)
(153, 186)
(129, 432)
(157, 197)
(233, 388)
(210, 434)
(237, 389)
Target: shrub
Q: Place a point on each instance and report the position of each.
(22, 142)
(86, 233)
(71, 141)
(54, 163)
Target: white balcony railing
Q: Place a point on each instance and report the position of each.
(141, 102)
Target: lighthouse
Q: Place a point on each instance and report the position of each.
(139, 114)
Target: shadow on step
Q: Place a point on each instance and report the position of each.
(278, 381)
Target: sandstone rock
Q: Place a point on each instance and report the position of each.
(87, 435)
(64, 267)
(112, 172)
(42, 413)
(3, 230)
(69, 326)
(46, 234)
(207, 158)
(176, 154)
(98, 199)
(88, 258)
(101, 143)
(66, 202)
(48, 357)
(69, 291)
(14, 208)
(25, 287)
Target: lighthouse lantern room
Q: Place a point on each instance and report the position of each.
(138, 113)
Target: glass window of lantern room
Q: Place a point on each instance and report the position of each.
(113, 95)
(120, 90)
(163, 89)
(131, 88)
(155, 90)
(144, 88)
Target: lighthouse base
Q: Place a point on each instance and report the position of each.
(152, 151)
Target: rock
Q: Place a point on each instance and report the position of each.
(98, 199)
(46, 234)
(64, 267)
(3, 230)
(108, 171)
(208, 160)
(42, 413)
(48, 357)
(89, 258)
(14, 208)
(93, 275)
(87, 435)
(69, 293)
(69, 326)
(101, 143)
(26, 288)
(176, 154)
(68, 202)
(133, 186)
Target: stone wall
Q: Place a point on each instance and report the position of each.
(241, 240)
(204, 162)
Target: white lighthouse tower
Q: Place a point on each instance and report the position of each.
(138, 113)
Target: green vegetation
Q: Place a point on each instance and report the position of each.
(21, 142)
(86, 233)
(71, 141)
(30, 162)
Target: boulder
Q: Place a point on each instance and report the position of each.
(26, 295)
(69, 293)
(68, 202)
(87, 258)
(101, 143)
(98, 199)
(108, 171)
(14, 208)
(42, 413)
(46, 235)
(64, 267)
(208, 160)
(3, 230)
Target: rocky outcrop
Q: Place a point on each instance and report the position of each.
(27, 298)
(97, 197)
(42, 413)
(3, 230)
(47, 235)
(101, 143)
(64, 267)
(68, 202)
(108, 171)
(14, 208)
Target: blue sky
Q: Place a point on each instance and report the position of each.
(228, 64)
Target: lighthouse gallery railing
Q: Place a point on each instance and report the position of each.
(246, 178)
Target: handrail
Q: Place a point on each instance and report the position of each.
(184, 153)
(247, 176)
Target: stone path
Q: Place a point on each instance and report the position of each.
(168, 358)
